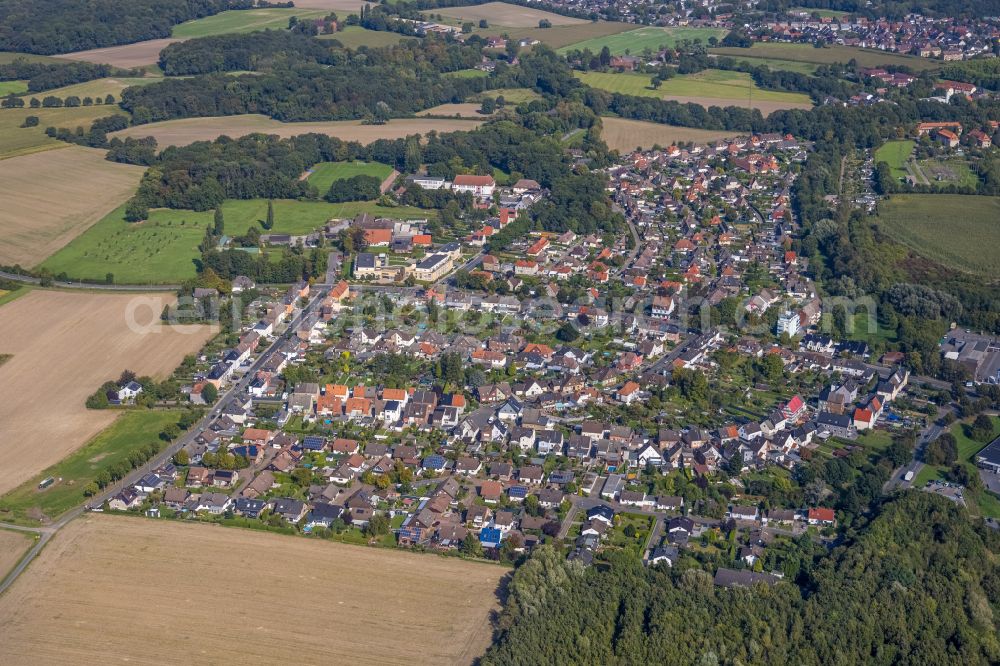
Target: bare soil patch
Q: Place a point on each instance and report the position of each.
(624, 135)
(188, 130)
(13, 546)
(127, 55)
(50, 198)
(64, 346)
(157, 592)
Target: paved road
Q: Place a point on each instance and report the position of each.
(25, 279)
(46, 532)
(927, 435)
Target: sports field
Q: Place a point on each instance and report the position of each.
(895, 154)
(709, 87)
(825, 56)
(625, 135)
(51, 197)
(502, 14)
(955, 230)
(162, 249)
(354, 36)
(64, 346)
(650, 37)
(105, 580)
(325, 173)
(243, 20)
(188, 130)
(127, 55)
(16, 140)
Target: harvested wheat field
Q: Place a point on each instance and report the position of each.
(332, 5)
(64, 346)
(50, 198)
(503, 14)
(138, 54)
(188, 130)
(13, 546)
(625, 135)
(126, 589)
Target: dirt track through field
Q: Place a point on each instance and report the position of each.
(189, 130)
(50, 198)
(113, 589)
(64, 346)
(13, 545)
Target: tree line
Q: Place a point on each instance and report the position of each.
(46, 76)
(60, 26)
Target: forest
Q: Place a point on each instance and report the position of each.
(377, 84)
(61, 26)
(251, 52)
(917, 584)
(46, 76)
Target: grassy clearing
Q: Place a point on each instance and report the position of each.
(955, 230)
(895, 154)
(129, 432)
(826, 56)
(13, 87)
(711, 83)
(162, 249)
(325, 173)
(511, 95)
(243, 20)
(559, 36)
(822, 13)
(471, 73)
(652, 38)
(625, 135)
(354, 36)
(16, 140)
(7, 57)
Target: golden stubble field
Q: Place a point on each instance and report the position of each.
(114, 589)
(64, 346)
(50, 198)
(625, 135)
(138, 54)
(188, 130)
(503, 14)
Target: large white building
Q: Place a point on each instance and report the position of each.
(788, 323)
(480, 186)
